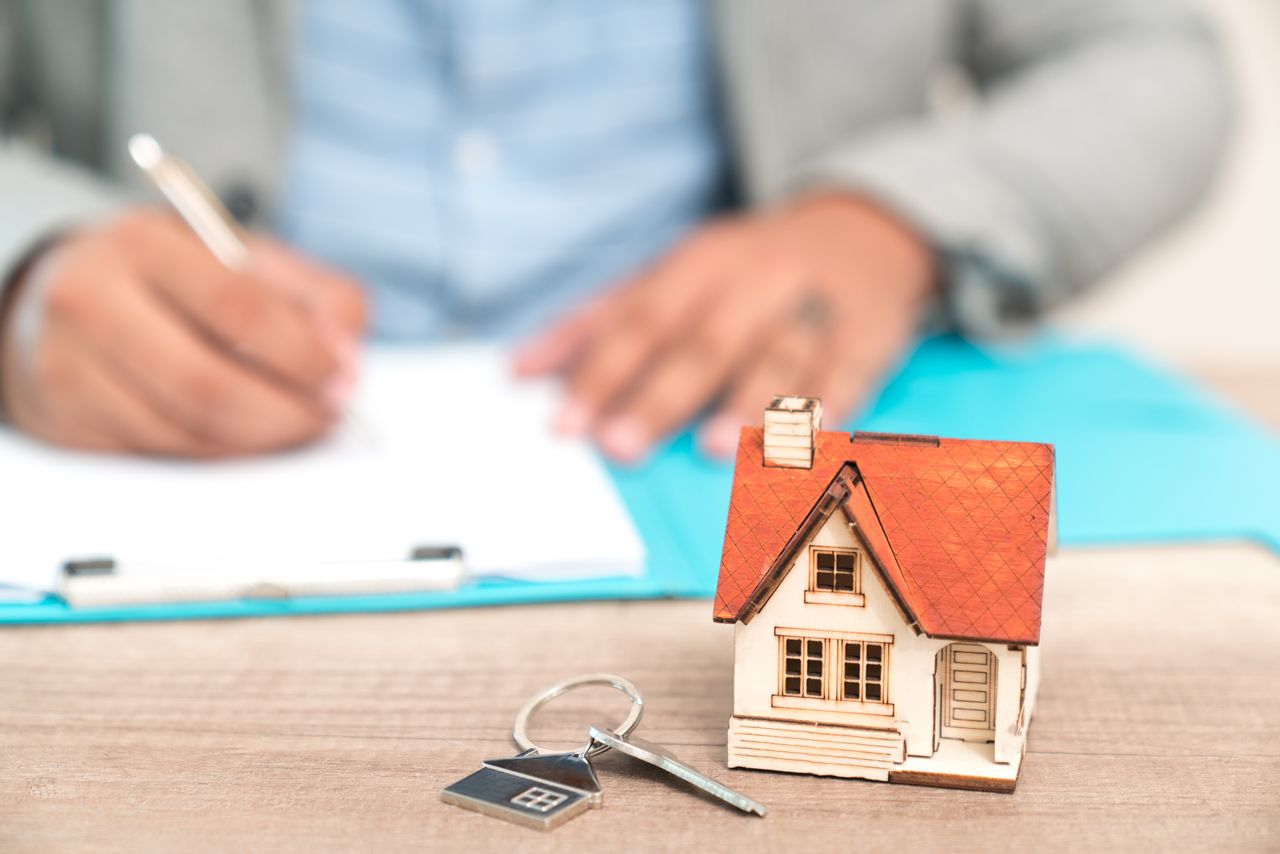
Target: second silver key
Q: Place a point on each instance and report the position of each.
(660, 757)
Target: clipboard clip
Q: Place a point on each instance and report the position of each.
(89, 566)
(102, 581)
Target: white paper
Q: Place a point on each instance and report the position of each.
(445, 449)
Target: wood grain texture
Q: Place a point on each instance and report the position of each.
(1158, 728)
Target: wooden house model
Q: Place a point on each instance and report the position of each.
(886, 594)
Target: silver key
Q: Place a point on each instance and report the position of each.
(660, 757)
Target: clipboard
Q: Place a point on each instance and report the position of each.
(667, 574)
(458, 467)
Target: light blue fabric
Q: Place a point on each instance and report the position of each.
(482, 165)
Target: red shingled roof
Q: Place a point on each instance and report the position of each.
(958, 528)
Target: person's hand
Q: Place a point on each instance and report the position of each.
(816, 299)
(132, 337)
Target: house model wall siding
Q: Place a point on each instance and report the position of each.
(909, 714)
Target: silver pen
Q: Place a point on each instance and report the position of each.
(193, 200)
(201, 210)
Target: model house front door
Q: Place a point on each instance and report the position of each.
(968, 692)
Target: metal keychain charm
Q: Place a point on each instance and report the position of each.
(536, 788)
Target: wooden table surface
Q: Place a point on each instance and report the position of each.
(1158, 728)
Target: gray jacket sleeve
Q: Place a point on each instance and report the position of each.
(39, 195)
(1099, 122)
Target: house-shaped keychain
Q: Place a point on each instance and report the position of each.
(886, 591)
(539, 791)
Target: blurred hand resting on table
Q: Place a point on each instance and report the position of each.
(818, 298)
(132, 337)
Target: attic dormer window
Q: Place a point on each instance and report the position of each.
(835, 576)
(835, 570)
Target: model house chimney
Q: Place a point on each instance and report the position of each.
(790, 427)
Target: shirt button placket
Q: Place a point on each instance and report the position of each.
(476, 154)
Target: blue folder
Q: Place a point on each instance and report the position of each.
(1143, 455)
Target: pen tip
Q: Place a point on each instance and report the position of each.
(144, 150)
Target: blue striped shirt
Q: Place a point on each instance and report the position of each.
(484, 164)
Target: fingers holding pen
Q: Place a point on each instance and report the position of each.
(132, 336)
(334, 302)
(206, 390)
(95, 408)
(264, 326)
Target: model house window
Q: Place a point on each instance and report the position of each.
(802, 667)
(864, 672)
(835, 570)
(539, 799)
(834, 670)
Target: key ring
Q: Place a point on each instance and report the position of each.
(520, 732)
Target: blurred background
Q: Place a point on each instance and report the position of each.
(1206, 297)
(468, 249)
